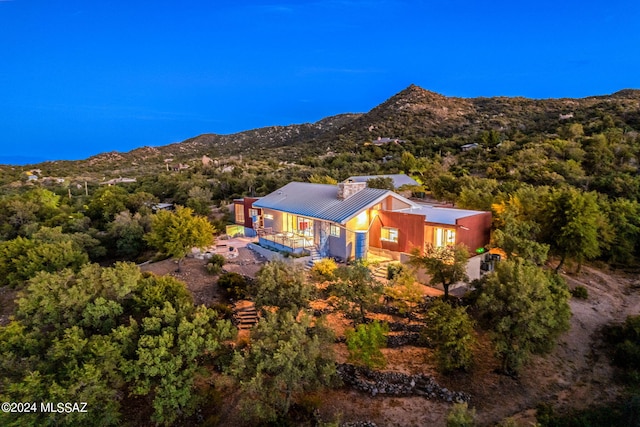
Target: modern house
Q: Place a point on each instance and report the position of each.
(350, 220)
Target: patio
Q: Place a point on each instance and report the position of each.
(288, 242)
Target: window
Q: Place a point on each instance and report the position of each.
(268, 216)
(334, 230)
(444, 237)
(253, 212)
(389, 234)
(239, 214)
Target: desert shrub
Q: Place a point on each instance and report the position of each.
(580, 292)
(324, 269)
(234, 285)
(214, 266)
(451, 330)
(625, 412)
(364, 344)
(624, 340)
(224, 311)
(393, 270)
(461, 416)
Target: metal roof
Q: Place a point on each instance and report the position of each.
(399, 179)
(441, 215)
(321, 201)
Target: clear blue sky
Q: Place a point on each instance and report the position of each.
(82, 77)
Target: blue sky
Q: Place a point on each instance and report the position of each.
(80, 77)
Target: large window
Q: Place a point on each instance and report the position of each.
(334, 230)
(239, 213)
(297, 224)
(389, 234)
(444, 237)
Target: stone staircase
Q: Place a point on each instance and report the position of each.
(379, 271)
(315, 256)
(245, 314)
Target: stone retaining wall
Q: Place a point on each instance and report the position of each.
(397, 384)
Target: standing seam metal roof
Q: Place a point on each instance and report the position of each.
(321, 201)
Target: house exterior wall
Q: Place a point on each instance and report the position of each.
(246, 203)
(410, 231)
(275, 223)
(474, 231)
(337, 246)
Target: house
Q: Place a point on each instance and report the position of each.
(350, 221)
(383, 141)
(399, 179)
(119, 180)
(469, 147)
(244, 213)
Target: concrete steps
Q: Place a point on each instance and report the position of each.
(315, 256)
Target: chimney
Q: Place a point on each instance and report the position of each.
(348, 188)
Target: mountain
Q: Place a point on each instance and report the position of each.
(412, 113)
(415, 112)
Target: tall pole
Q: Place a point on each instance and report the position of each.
(86, 190)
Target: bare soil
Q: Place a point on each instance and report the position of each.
(202, 285)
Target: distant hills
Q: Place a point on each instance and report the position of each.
(410, 114)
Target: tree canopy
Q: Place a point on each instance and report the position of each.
(526, 308)
(446, 265)
(100, 334)
(288, 356)
(175, 233)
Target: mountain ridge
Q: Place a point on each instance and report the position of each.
(413, 112)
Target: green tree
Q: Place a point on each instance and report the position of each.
(382, 182)
(282, 285)
(127, 233)
(96, 335)
(287, 357)
(48, 250)
(106, 202)
(517, 237)
(200, 200)
(322, 179)
(526, 309)
(356, 291)
(169, 345)
(446, 265)
(403, 290)
(620, 241)
(571, 222)
(364, 344)
(451, 330)
(176, 233)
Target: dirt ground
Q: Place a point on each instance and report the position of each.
(200, 283)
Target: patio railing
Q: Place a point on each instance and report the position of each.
(286, 241)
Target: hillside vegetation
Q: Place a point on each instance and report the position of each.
(78, 320)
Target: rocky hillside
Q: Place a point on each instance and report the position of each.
(415, 112)
(411, 114)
